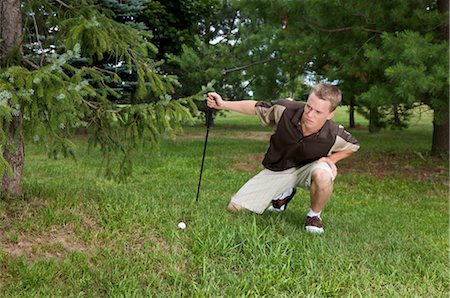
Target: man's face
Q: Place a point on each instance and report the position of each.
(316, 113)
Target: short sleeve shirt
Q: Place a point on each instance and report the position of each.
(288, 147)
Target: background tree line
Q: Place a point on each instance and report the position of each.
(127, 71)
(388, 57)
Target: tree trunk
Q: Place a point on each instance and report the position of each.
(440, 136)
(352, 123)
(374, 120)
(441, 121)
(11, 36)
(14, 155)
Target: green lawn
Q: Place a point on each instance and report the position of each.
(76, 233)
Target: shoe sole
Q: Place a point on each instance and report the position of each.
(314, 230)
(272, 209)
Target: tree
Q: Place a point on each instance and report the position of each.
(214, 58)
(368, 49)
(441, 121)
(176, 23)
(12, 140)
(173, 25)
(47, 93)
(228, 52)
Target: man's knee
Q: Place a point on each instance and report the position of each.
(322, 177)
(233, 207)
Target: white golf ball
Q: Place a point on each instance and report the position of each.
(181, 225)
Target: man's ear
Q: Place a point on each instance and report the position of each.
(331, 115)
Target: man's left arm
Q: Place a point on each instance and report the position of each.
(333, 158)
(344, 146)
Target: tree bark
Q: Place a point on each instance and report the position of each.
(440, 143)
(11, 36)
(351, 120)
(14, 155)
(440, 136)
(374, 120)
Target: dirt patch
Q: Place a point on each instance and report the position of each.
(396, 164)
(53, 243)
(247, 135)
(27, 209)
(249, 163)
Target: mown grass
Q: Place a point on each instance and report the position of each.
(75, 233)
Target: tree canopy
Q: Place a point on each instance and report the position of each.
(387, 57)
(52, 83)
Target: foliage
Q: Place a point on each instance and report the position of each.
(227, 52)
(176, 23)
(416, 70)
(333, 41)
(61, 89)
(127, 12)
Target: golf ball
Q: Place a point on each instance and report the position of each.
(181, 225)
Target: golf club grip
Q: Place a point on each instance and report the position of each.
(209, 117)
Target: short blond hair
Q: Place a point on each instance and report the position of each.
(328, 92)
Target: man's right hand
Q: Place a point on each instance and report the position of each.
(215, 101)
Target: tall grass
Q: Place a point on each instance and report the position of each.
(75, 233)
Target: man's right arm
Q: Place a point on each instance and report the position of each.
(215, 101)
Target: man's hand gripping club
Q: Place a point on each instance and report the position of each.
(215, 101)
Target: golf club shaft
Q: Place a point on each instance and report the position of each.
(208, 123)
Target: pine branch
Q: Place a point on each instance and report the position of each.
(36, 29)
(90, 104)
(64, 4)
(112, 73)
(232, 22)
(315, 25)
(31, 63)
(226, 71)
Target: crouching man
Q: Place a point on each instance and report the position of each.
(303, 151)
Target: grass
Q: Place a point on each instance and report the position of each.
(75, 233)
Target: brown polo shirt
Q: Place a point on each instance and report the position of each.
(288, 147)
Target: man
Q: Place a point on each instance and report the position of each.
(303, 152)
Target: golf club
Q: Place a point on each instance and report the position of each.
(208, 124)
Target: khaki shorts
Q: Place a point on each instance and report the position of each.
(259, 191)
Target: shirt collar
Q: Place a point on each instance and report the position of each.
(297, 116)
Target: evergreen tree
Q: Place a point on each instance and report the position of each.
(176, 23)
(50, 84)
(351, 43)
(235, 55)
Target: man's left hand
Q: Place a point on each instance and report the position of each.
(331, 163)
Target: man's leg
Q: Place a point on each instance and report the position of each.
(321, 189)
(320, 192)
(258, 192)
(317, 177)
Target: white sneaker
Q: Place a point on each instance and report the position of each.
(314, 225)
(280, 204)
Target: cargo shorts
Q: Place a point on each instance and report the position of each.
(259, 191)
